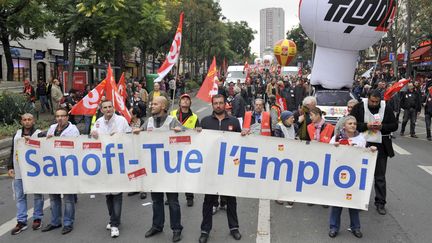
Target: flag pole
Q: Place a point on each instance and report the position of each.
(175, 83)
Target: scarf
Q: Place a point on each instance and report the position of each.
(343, 136)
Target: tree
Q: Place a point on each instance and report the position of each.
(240, 36)
(304, 44)
(15, 15)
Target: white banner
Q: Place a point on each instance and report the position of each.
(211, 162)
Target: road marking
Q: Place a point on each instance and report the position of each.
(8, 226)
(428, 169)
(202, 109)
(263, 229)
(147, 204)
(400, 150)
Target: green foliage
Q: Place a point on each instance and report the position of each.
(192, 85)
(8, 130)
(240, 35)
(12, 106)
(304, 44)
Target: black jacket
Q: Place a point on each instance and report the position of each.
(389, 125)
(411, 100)
(229, 123)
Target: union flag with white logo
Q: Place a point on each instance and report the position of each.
(209, 87)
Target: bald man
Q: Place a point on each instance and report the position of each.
(27, 130)
(161, 121)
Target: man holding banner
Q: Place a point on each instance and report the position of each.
(161, 121)
(376, 121)
(109, 124)
(27, 130)
(63, 128)
(219, 120)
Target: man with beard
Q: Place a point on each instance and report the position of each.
(376, 121)
(219, 120)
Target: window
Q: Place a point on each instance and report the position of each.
(22, 69)
(27, 30)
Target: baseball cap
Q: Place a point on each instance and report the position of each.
(185, 96)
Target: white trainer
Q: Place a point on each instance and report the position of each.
(108, 227)
(115, 232)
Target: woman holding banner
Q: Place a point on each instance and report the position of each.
(348, 135)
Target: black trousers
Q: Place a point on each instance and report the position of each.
(380, 180)
(411, 115)
(207, 212)
(428, 124)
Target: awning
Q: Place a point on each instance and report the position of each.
(416, 55)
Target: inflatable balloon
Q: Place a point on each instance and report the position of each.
(340, 28)
(258, 61)
(285, 51)
(267, 60)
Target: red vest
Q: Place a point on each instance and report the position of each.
(265, 122)
(326, 133)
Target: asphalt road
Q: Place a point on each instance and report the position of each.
(409, 189)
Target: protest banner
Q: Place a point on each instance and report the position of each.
(211, 162)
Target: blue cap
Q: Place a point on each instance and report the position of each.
(286, 114)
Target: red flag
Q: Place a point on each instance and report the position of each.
(89, 104)
(209, 87)
(281, 102)
(122, 87)
(173, 54)
(396, 87)
(113, 95)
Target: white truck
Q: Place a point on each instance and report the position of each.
(235, 73)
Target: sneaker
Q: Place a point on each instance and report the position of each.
(20, 227)
(414, 136)
(115, 232)
(37, 224)
(215, 209)
(108, 227)
(429, 138)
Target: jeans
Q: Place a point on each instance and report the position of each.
(207, 212)
(159, 211)
(56, 209)
(335, 214)
(428, 124)
(21, 203)
(114, 204)
(44, 103)
(87, 121)
(409, 114)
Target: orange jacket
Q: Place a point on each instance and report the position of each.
(265, 122)
(326, 132)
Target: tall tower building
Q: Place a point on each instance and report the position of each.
(272, 27)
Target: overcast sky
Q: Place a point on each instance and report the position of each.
(249, 11)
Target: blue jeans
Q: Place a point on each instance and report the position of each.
(159, 211)
(335, 214)
(56, 209)
(21, 203)
(114, 204)
(44, 103)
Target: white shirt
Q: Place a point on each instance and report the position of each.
(70, 131)
(117, 124)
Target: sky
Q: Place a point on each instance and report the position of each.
(249, 11)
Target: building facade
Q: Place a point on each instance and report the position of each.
(272, 28)
(33, 60)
